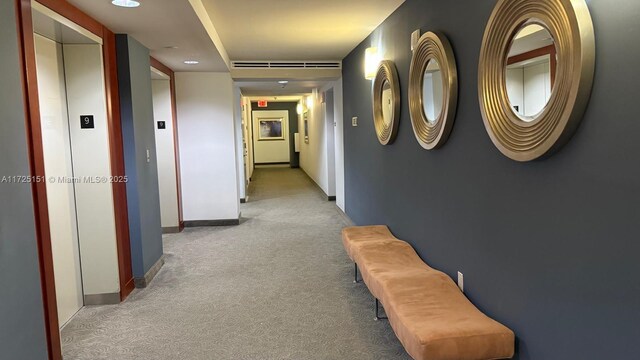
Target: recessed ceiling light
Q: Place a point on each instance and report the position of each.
(191, 62)
(283, 82)
(126, 3)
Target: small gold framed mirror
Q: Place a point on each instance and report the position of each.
(535, 74)
(433, 90)
(386, 102)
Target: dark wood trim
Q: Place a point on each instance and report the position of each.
(74, 14)
(116, 149)
(176, 142)
(547, 50)
(202, 223)
(39, 189)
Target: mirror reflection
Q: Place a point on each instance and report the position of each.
(387, 103)
(531, 67)
(432, 91)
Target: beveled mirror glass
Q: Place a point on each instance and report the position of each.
(531, 67)
(433, 90)
(386, 102)
(535, 74)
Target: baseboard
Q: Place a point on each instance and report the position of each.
(102, 299)
(171, 230)
(329, 198)
(345, 217)
(142, 283)
(200, 223)
(273, 163)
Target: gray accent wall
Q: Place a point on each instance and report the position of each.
(550, 248)
(22, 329)
(138, 132)
(291, 107)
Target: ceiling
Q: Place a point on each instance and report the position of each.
(530, 38)
(158, 24)
(295, 29)
(216, 31)
(272, 88)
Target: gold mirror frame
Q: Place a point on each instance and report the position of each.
(386, 72)
(433, 46)
(571, 27)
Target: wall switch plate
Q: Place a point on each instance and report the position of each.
(461, 281)
(354, 121)
(415, 37)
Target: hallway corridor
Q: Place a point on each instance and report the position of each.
(278, 286)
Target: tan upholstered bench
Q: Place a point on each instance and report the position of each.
(429, 314)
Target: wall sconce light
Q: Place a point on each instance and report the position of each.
(299, 109)
(371, 62)
(309, 102)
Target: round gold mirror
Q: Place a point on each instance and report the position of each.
(433, 90)
(386, 102)
(535, 74)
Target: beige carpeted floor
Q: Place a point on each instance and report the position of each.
(278, 286)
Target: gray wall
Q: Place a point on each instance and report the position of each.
(291, 107)
(550, 248)
(139, 136)
(22, 331)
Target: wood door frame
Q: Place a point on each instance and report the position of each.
(174, 115)
(36, 157)
(547, 50)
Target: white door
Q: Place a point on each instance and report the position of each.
(58, 165)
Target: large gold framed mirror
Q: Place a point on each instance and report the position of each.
(535, 74)
(433, 90)
(386, 102)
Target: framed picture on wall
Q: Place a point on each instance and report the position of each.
(270, 129)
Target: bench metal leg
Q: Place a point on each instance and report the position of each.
(355, 273)
(377, 311)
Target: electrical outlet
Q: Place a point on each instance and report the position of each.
(461, 281)
(354, 121)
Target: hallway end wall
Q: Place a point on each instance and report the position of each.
(22, 333)
(140, 155)
(290, 107)
(549, 248)
(207, 147)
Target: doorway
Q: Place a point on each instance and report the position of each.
(330, 126)
(77, 163)
(166, 134)
(271, 137)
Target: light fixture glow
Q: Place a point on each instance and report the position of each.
(126, 3)
(299, 109)
(283, 82)
(192, 62)
(371, 62)
(309, 102)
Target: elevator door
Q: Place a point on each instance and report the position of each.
(58, 168)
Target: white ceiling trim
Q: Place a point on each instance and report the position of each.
(203, 15)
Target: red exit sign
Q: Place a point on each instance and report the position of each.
(263, 103)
